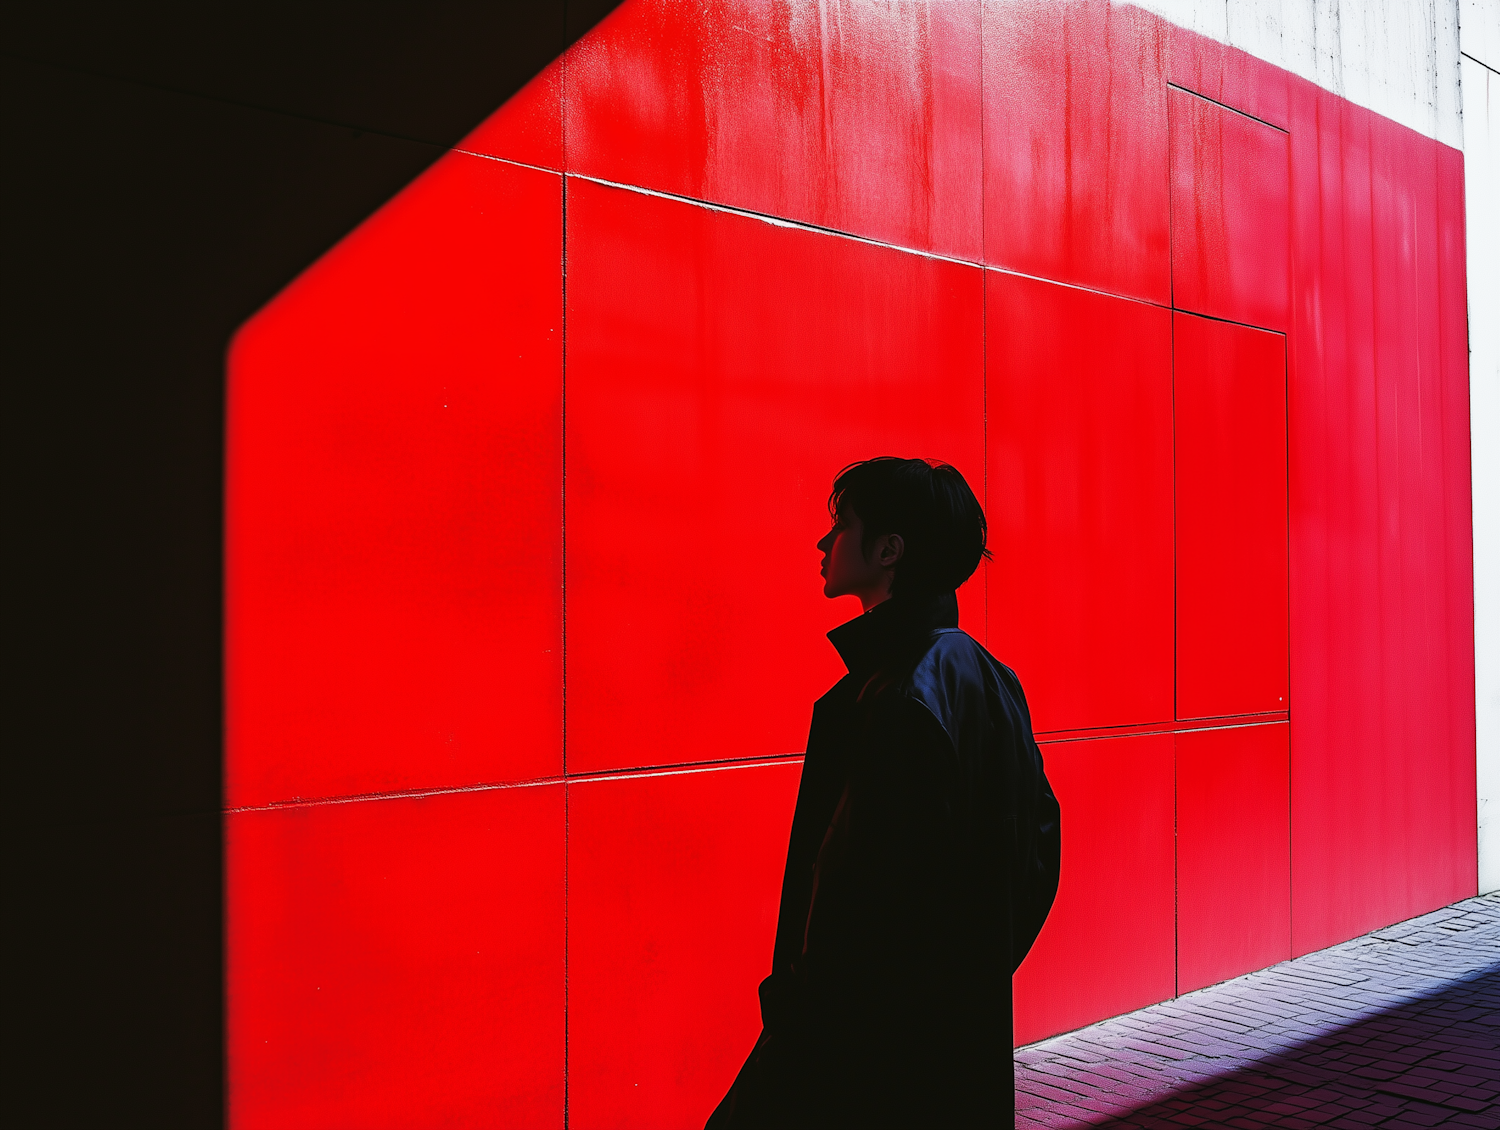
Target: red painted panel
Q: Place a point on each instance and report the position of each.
(528, 127)
(854, 116)
(1229, 213)
(1075, 144)
(1080, 467)
(393, 503)
(1317, 353)
(1450, 499)
(673, 887)
(1317, 427)
(1107, 947)
(1452, 502)
(1228, 75)
(397, 962)
(1233, 853)
(1426, 595)
(1336, 737)
(1230, 388)
(721, 370)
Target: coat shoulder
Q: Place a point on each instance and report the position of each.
(950, 678)
(960, 683)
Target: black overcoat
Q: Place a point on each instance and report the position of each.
(923, 860)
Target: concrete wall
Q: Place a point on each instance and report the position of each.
(1398, 58)
(511, 756)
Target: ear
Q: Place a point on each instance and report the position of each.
(888, 550)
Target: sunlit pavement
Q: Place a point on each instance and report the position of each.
(1397, 1028)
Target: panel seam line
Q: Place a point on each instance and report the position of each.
(536, 782)
(1227, 106)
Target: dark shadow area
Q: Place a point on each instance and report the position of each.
(1433, 1060)
(169, 167)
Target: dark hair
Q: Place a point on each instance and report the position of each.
(929, 505)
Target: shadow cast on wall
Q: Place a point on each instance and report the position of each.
(172, 168)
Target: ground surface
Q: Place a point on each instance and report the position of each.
(1398, 1028)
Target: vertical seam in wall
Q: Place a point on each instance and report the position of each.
(1291, 321)
(1171, 219)
(563, 405)
(1286, 432)
(1375, 273)
(984, 337)
(1286, 421)
(563, 538)
(1172, 345)
(1176, 897)
(1172, 370)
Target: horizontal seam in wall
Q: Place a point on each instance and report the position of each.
(1079, 286)
(1228, 321)
(816, 229)
(402, 794)
(687, 768)
(776, 221)
(507, 161)
(681, 769)
(1227, 106)
(1163, 731)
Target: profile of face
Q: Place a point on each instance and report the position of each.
(848, 571)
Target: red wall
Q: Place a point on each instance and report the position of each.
(525, 476)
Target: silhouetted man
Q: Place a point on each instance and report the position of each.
(925, 845)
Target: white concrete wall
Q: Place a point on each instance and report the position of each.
(1479, 38)
(1434, 66)
(1396, 57)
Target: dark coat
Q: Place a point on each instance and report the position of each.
(923, 860)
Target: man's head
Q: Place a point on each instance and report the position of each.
(908, 527)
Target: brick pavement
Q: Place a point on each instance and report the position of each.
(1399, 1028)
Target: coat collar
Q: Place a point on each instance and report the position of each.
(891, 627)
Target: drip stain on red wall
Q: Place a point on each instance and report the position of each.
(525, 476)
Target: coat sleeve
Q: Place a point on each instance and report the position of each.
(1036, 854)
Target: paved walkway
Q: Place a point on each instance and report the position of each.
(1398, 1028)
